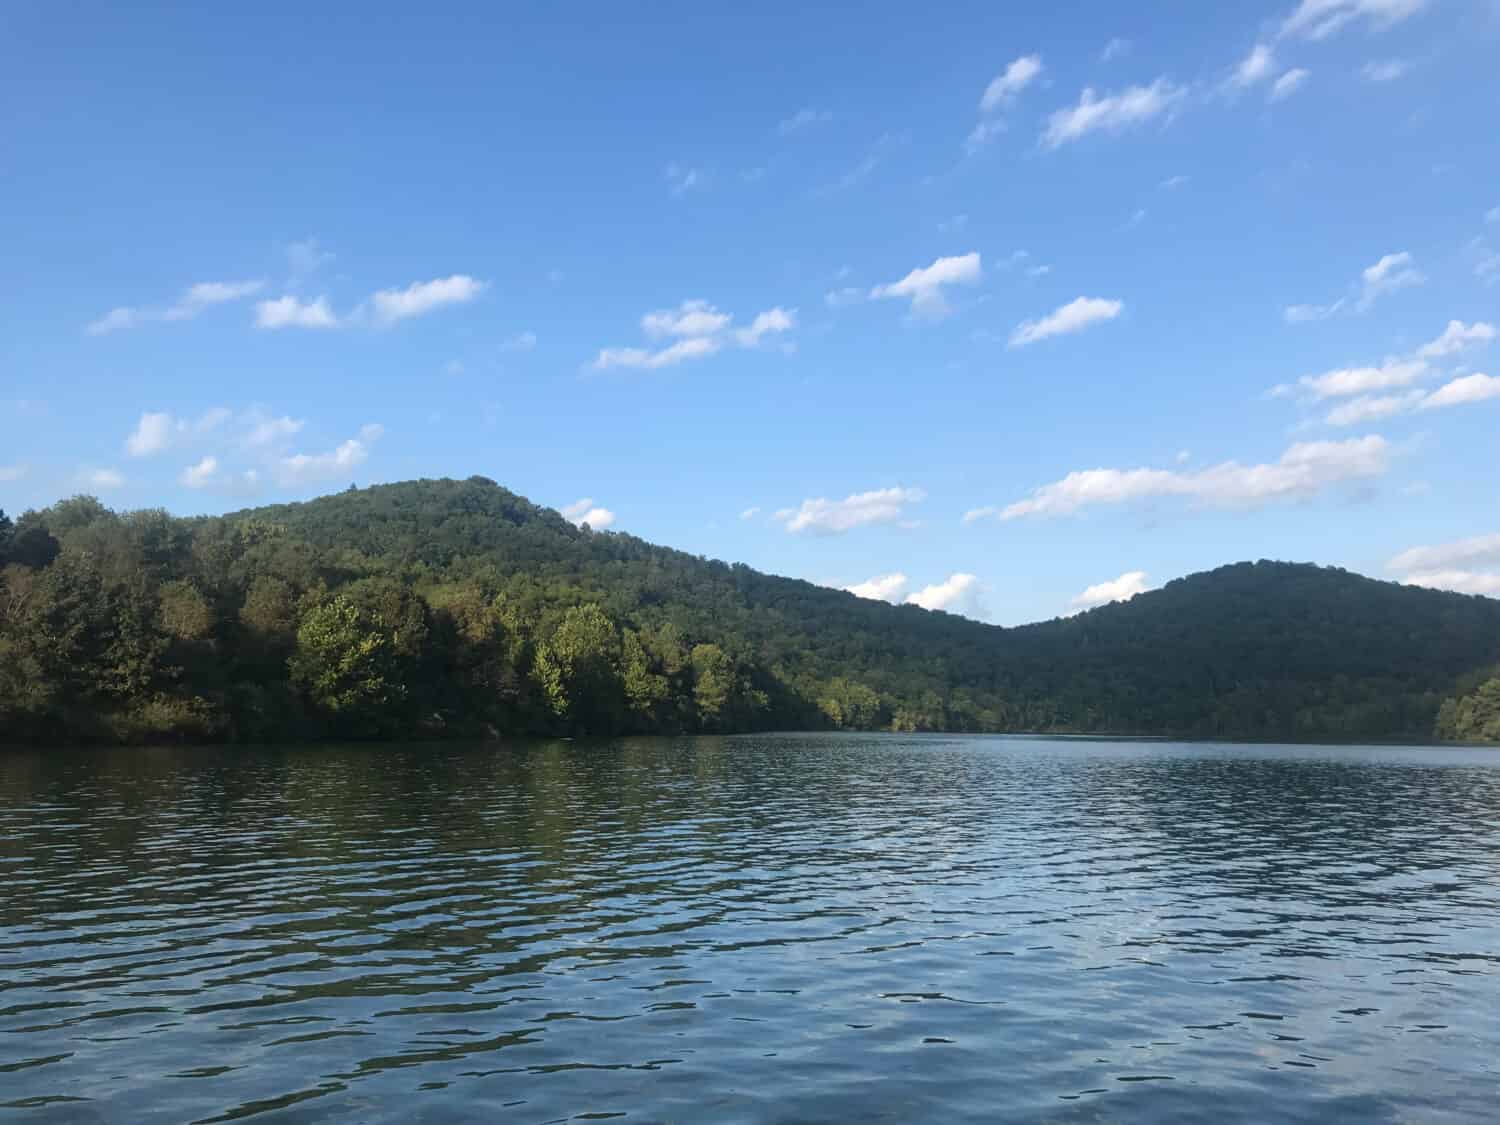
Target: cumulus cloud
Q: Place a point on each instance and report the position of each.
(1304, 470)
(700, 330)
(959, 593)
(155, 431)
(1395, 372)
(1458, 337)
(288, 312)
(1288, 84)
(585, 511)
(1075, 316)
(200, 475)
(1463, 390)
(265, 430)
(923, 286)
(1468, 566)
(1120, 589)
(881, 588)
(806, 118)
(1004, 87)
(1111, 113)
(311, 468)
(422, 297)
(1318, 19)
(194, 299)
(833, 517)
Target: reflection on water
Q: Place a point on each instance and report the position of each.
(790, 928)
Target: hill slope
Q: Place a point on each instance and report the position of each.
(443, 606)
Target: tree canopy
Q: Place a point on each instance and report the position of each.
(443, 607)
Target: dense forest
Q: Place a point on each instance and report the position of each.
(456, 608)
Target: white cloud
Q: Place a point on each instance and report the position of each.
(839, 298)
(881, 588)
(772, 322)
(1075, 316)
(520, 342)
(151, 435)
(1451, 566)
(924, 285)
(702, 331)
(1114, 49)
(1111, 113)
(12, 472)
(157, 430)
(288, 312)
(112, 321)
(585, 511)
(1372, 408)
(1463, 390)
(310, 468)
(1363, 380)
(1120, 589)
(1479, 550)
(201, 474)
(193, 301)
(265, 430)
(421, 297)
(1004, 87)
(1288, 84)
(691, 318)
(1303, 314)
(102, 479)
(1392, 272)
(1457, 337)
(982, 134)
(1318, 19)
(307, 256)
(959, 594)
(1457, 581)
(1385, 70)
(1256, 67)
(806, 118)
(832, 517)
(1174, 182)
(1303, 470)
(696, 347)
(749, 513)
(682, 180)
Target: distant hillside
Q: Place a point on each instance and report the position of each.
(443, 607)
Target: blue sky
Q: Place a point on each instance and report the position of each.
(1008, 311)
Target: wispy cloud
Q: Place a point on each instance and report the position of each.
(1392, 273)
(289, 312)
(200, 475)
(193, 301)
(682, 179)
(1385, 70)
(1303, 471)
(699, 330)
(832, 517)
(1112, 113)
(1318, 19)
(1006, 85)
(158, 430)
(1288, 84)
(804, 119)
(422, 297)
(1075, 316)
(314, 468)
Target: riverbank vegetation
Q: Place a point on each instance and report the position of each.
(442, 607)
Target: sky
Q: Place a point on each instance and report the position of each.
(1006, 310)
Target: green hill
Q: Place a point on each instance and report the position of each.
(443, 607)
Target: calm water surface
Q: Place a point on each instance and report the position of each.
(790, 928)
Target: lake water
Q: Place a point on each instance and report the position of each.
(787, 928)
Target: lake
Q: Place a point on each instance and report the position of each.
(755, 928)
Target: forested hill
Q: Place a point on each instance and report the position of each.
(458, 608)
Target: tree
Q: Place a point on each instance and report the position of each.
(345, 664)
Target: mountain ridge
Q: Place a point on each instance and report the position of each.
(489, 613)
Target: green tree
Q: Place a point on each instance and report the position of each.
(345, 664)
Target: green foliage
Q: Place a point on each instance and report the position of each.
(1474, 717)
(458, 608)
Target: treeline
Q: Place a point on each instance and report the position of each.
(1475, 715)
(436, 608)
